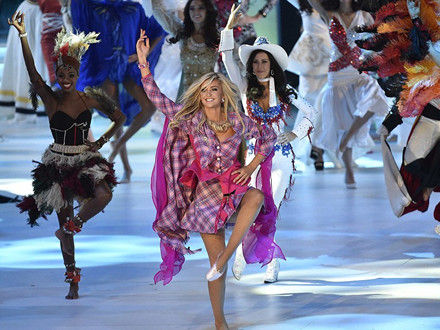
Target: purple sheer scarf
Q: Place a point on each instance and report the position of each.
(258, 243)
(172, 260)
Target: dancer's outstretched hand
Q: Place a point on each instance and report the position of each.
(18, 22)
(143, 47)
(285, 138)
(413, 8)
(95, 145)
(234, 17)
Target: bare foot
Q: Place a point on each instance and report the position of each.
(73, 291)
(349, 176)
(126, 178)
(221, 326)
(350, 183)
(66, 241)
(114, 153)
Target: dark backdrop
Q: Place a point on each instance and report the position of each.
(290, 30)
(7, 8)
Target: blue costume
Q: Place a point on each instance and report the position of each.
(119, 23)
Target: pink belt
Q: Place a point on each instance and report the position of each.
(195, 173)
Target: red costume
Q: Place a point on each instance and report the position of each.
(52, 24)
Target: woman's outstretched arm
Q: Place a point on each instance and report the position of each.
(43, 90)
(320, 9)
(167, 18)
(106, 105)
(161, 101)
(226, 47)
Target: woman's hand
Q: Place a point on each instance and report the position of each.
(142, 47)
(96, 145)
(413, 8)
(18, 22)
(234, 17)
(243, 174)
(285, 138)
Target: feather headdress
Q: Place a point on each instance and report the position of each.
(70, 47)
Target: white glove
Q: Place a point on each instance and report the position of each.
(285, 138)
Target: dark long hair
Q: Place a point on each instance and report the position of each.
(255, 89)
(210, 32)
(333, 5)
(304, 6)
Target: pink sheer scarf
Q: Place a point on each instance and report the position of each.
(172, 260)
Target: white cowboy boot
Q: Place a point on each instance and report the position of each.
(239, 263)
(272, 271)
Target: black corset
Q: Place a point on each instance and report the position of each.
(69, 131)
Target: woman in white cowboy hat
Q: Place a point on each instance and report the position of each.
(268, 100)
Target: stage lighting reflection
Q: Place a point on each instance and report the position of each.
(389, 279)
(91, 250)
(17, 186)
(355, 321)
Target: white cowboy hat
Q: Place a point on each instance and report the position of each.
(262, 43)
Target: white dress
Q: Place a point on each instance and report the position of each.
(282, 168)
(311, 54)
(348, 94)
(309, 59)
(14, 87)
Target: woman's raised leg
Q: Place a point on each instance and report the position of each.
(248, 210)
(93, 206)
(357, 123)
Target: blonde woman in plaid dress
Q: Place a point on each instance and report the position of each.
(198, 182)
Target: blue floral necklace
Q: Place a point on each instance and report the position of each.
(269, 117)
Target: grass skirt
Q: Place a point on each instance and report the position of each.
(59, 180)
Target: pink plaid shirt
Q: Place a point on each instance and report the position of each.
(188, 210)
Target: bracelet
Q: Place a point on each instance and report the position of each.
(262, 13)
(144, 66)
(102, 140)
(22, 35)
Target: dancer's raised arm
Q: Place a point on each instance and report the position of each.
(42, 89)
(320, 9)
(227, 46)
(167, 18)
(160, 100)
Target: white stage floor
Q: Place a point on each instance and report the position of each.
(350, 263)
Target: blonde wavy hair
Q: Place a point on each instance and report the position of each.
(192, 102)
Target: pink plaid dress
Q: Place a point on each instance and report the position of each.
(196, 208)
